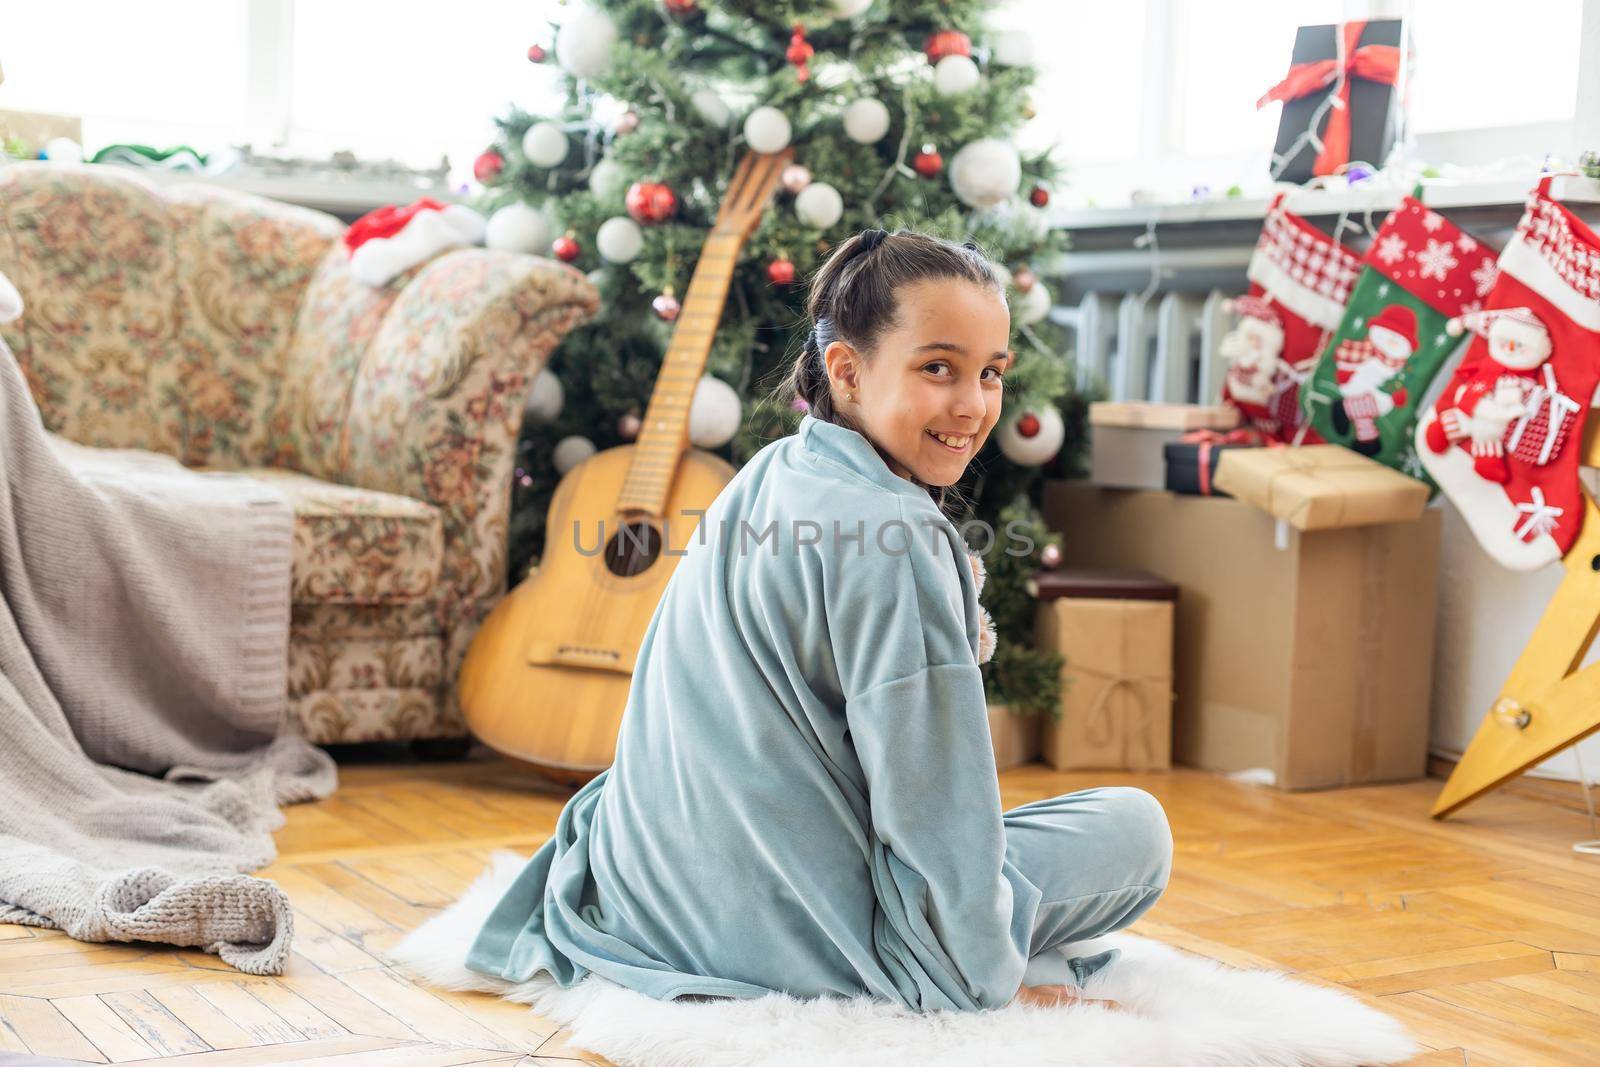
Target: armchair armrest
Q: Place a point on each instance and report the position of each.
(436, 405)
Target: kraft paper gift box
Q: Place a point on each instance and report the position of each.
(1308, 655)
(1320, 487)
(1126, 438)
(1015, 737)
(1114, 629)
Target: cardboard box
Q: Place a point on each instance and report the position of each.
(1318, 487)
(1312, 660)
(1015, 737)
(1126, 438)
(1116, 683)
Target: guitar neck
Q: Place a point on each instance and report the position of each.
(664, 430)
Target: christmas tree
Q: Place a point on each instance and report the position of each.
(901, 114)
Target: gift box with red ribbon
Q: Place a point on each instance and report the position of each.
(1342, 78)
(1192, 459)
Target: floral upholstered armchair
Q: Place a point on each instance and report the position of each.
(226, 330)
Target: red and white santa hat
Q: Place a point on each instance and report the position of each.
(1396, 318)
(1479, 322)
(391, 240)
(1255, 307)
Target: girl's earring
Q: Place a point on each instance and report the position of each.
(849, 398)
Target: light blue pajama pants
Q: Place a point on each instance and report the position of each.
(1100, 859)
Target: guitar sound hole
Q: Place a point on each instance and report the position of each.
(633, 549)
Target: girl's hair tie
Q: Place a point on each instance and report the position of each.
(871, 239)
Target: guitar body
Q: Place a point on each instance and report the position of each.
(546, 679)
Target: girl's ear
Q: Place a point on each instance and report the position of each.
(840, 359)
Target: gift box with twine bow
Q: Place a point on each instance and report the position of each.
(1320, 487)
(1115, 631)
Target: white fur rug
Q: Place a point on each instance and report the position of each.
(1179, 1009)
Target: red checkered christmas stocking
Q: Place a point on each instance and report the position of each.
(1503, 440)
(1300, 280)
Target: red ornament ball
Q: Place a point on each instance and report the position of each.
(781, 272)
(800, 51)
(1028, 424)
(487, 167)
(566, 248)
(628, 426)
(650, 202)
(666, 306)
(927, 162)
(537, 54)
(1039, 197)
(943, 43)
(1024, 279)
(680, 7)
(1050, 557)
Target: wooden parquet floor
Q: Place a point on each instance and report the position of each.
(1481, 933)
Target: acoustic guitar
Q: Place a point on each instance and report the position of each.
(546, 679)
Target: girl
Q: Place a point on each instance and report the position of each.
(804, 795)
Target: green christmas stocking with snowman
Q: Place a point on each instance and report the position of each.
(1420, 272)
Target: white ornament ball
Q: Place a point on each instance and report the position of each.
(597, 277)
(571, 451)
(953, 75)
(1002, 272)
(63, 150)
(711, 106)
(619, 240)
(985, 172)
(767, 130)
(608, 181)
(584, 42)
(1039, 449)
(545, 399)
(866, 121)
(1033, 305)
(819, 205)
(519, 228)
(545, 144)
(1012, 48)
(714, 413)
(848, 9)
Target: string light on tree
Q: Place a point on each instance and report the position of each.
(1050, 556)
(1033, 437)
(545, 144)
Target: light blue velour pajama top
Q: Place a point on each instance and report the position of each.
(804, 795)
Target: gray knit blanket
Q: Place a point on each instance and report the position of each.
(144, 621)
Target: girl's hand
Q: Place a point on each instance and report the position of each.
(1050, 996)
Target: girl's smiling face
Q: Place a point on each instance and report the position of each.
(930, 394)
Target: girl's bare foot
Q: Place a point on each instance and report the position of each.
(1050, 996)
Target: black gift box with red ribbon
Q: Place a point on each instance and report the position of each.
(1192, 459)
(1368, 56)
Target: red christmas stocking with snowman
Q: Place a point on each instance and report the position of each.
(1300, 281)
(1503, 439)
